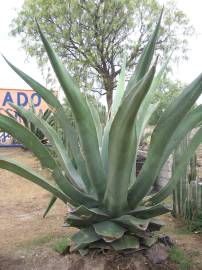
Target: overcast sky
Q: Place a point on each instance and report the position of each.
(10, 46)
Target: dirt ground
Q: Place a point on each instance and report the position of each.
(26, 239)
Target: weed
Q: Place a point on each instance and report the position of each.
(177, 255)
(194, 253)
(195, 225)
(61, 245)
(36, 242)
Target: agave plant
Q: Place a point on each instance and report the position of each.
(46, 116)
(107, 202)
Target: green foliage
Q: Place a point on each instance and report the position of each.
(177, 255)
(94, 168)
(39, 241)
(61, 245)
(47, 116)
(166, 93)
(90, 36)
(195, 224)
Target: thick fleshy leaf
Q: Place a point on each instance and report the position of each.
(72, 220)
(191, 120)
(25, 123)
(149, 212)
(60, 115)
(96, 119)
(105, 145)
(166, 127)
(140, 127)
(83, 216)
(101, 244)
(50, 205)
(46, 115)
(41, 151)
(28, 139)
(109, 230)
(73, 145)
(185, 158)
(145, 58)
(153, 89)
(145, 112)
(31, 141)
(82, 115)
(78, 196)
(86, 213)
(126, 242)
(149, 241)
(58, 145)
(132, 223)
(146, 108)
(121, 157)
(46, 94)
(117, 99)
(29, 174)
(82, 238)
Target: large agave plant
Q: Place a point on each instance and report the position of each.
(96, 175)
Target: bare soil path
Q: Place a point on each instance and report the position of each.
(22, 204)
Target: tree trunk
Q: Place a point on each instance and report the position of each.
(109, 96)
(108, 82)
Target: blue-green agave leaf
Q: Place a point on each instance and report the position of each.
(185, 158)
(27, 172)
(165, 128)
(82, 238)
(126, 242)
(117, 99)
(82, 115)
(50, 205)
(109, 230)
(121, 157)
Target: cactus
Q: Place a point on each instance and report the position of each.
(187, 193)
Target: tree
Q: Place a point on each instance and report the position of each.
(90, 35)
(168, 91)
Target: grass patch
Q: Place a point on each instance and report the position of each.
(182, 230)
(178, 256)
(56, 241)
(194, 253)
(41, 240)
(61, 245)
(177, 227)
(195, 225)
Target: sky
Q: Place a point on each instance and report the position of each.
(10, 46)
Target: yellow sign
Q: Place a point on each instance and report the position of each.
(22, 98)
